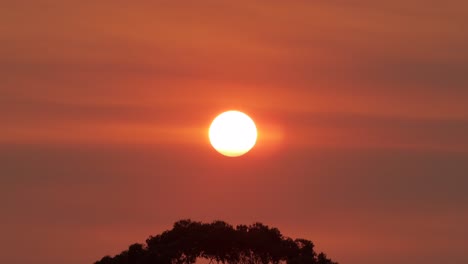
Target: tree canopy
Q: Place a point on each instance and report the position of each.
(220, 242)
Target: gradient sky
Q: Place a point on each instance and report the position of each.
(362, 110)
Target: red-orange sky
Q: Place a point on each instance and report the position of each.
(362, 110)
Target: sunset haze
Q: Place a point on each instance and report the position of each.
(361, 109)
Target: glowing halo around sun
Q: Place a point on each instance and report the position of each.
(233, 133)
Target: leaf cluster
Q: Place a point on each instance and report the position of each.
(220, 242)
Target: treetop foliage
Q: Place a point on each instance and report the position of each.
(220, 242)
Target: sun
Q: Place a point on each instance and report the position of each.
(233, 133)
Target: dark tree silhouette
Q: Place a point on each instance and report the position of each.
(221, 243)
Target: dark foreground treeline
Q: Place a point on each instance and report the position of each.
(219, 242)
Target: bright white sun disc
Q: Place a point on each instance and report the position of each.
(233, 133)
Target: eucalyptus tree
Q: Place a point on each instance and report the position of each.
(219, 242)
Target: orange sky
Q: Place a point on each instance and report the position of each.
(361, 108)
